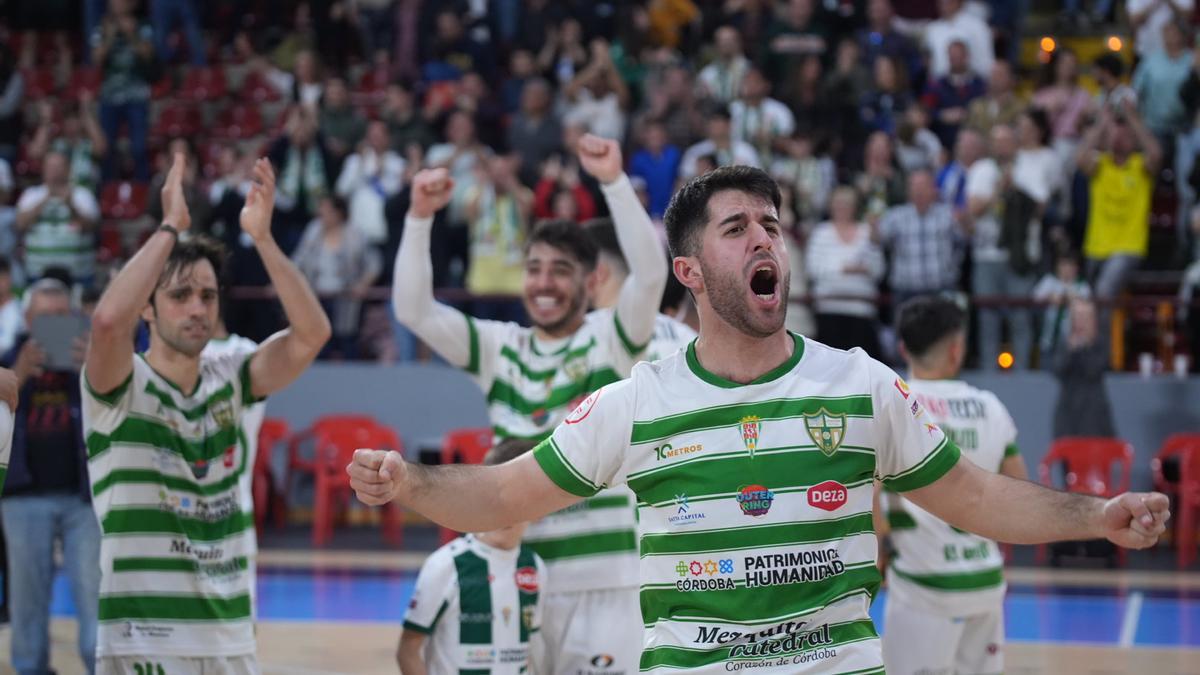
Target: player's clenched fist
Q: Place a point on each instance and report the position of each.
(1136, 519)
(377, 476)
(431, 190)
(601, 158)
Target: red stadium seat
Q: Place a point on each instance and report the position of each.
(335, 446)
(176, 121)
(464, 446)
(1089, 464)
(238, 122)
(163, 88)
(109, 246)
(123, 200)
(84, 79)
(1182, 451)
(203, 84)
(371, 88)
(298, 463)
(273, 431)
(257, 89)
(39, 83)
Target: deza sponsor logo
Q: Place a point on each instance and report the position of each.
(828, 496)
(797, 636)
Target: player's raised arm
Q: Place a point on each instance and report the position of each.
(110, 348)
(637, 304)
(1020, 512)
(442, 327)
(283, 356)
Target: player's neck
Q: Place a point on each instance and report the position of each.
(731, 354)
(499, 539)
(178, 368)
(932, 372)
(565, 331)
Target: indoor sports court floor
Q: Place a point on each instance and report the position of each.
(339, 612)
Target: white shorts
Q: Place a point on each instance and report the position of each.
(177, 665)
(919, 642)
(589, 631)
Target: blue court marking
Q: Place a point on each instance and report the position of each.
(1168, 617)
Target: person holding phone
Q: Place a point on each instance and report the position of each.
(46, 493)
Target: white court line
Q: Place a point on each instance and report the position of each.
(1133, 612)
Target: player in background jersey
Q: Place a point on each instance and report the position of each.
(168, 455)
(533, 377)
(945, 609)
(477, 601)
(670, 334)
(757, 546)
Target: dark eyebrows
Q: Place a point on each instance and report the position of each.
(732, 218)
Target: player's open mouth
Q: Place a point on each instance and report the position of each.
(546, 302)
(764, 282)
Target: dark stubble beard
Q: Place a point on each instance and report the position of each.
(726, 294)
(578, 297)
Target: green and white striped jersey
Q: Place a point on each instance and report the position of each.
(478, 605)
(531, 386)
(938, 566)
(170, 475)
(6, 432)
(55, 239)
(754, 503)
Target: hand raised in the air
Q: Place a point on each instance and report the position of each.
(260, 201)
(377, 476)
(174, 205)
(601, 158)
(431, 191)
(1136, 519)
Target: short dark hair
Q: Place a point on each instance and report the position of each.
(1041, 120)
(1111, 64)
(603, 234)
(567, 236)
(507, 450)
(339, 204)
(687, 213)
(188, 252)
(927, 320)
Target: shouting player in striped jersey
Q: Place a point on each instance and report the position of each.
(946, 586)
(168, 457)
(753, 455)
(533, 377)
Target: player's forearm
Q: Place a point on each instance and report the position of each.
(408, 655)
(1009, 510)
(122, 302)
(307, 323)
(467, 498)
(643, 289)
(443, 328)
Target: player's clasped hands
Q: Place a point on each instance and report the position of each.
(377, 476)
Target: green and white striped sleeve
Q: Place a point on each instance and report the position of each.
(585, 453)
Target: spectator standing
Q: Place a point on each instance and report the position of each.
(1109, 71)
(916, 146)
(535, 133)
(1122, 176)
(949, 96)
(407, 126)
(341, 125)
(1000, 105)
(1147, 18)
(884, 103)
(809, 177)
(880, 184)
(1083, 408)
(759, 119)
(1057, 291)
(1067, 104)
(671, 99)
(340, 265)
(845, 266)
(597, 97)
(924, 241)
(956, 23)
(656, 163)
(718, 143)
(793, 34)
(46, 495)
(371, 176)
(56, 221)
(305, 174)
(164, 15)
(721, 79)
(498, 210)
(124, 50)
(1157, 81)
(880, 38)
(80, 138)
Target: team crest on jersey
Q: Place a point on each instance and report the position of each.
(751, 427)
(576, 369)
(222, 412)
(826, 430)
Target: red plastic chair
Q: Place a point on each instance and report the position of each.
(273, 431)
(335, 449)
(1188, 506)
(39, 83)
(298, 463)
(123, 200)
(1088, 464)
(84, 79)
(1176, 445)
(203, 84)
(464, 446)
